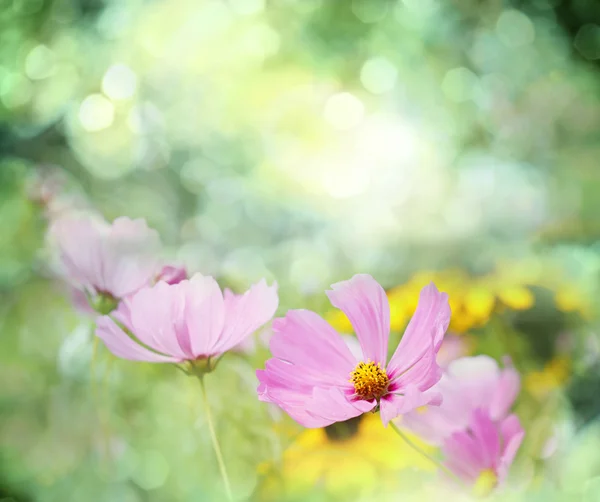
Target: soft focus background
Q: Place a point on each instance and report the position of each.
(302, 141)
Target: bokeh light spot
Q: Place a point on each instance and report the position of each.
(15, 90)
(152, 471)
(515, 29)
(40, 63)
(344, 111)
(460, 84)
(119, 82)
(378, 75)
(345, 183)
(96, 113)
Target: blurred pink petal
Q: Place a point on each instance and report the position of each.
(394, 405)
(184, 321)
(484, 448)
(80, 302)
(115, 259)
(512, 435)
(468, 383)
(317, 380)
(121, 345)
(453, 347)
(172, 274)
(246, 313)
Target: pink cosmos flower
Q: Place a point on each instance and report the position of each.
(314, 377)
(483, 453)
(469, 383)
(188, 321)
(113, 260)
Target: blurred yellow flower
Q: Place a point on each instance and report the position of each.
(339, 321)
(355, 457)
(554, 375)
(473, 299)
(570, 299)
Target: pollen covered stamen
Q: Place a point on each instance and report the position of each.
(370, 380)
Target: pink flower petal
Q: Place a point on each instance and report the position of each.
(365, 303)
(288, 389)
(477, 449)
(308, 377)
(426, 329)
(205, 314)
(394, 405)
(117, 259)
(477, 378)
(435, 423)
(244, 314)
(121, 345)
(463, 456)
(485, 431)
(130, 256)
(468, 383)
(79, 243)
(332, 405)
(154, 312)
(307, 341)
(512, 434)
(505, 394)
(172, 274)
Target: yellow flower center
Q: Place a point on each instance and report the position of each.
(370, 380)
(485, 483)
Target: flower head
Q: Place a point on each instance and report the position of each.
(188, 321)
(468, 383)
(482, 454)
(109, 259)
(315, 378)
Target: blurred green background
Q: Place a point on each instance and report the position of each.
(302, 141)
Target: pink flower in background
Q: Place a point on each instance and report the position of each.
(453, 347)
(172, 274)
(483, 453)
(468, 383)
(114, 260)
(314, 377)
(186, 321)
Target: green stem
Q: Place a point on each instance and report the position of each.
(215, 441)
(93, 364)
(425, 454)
